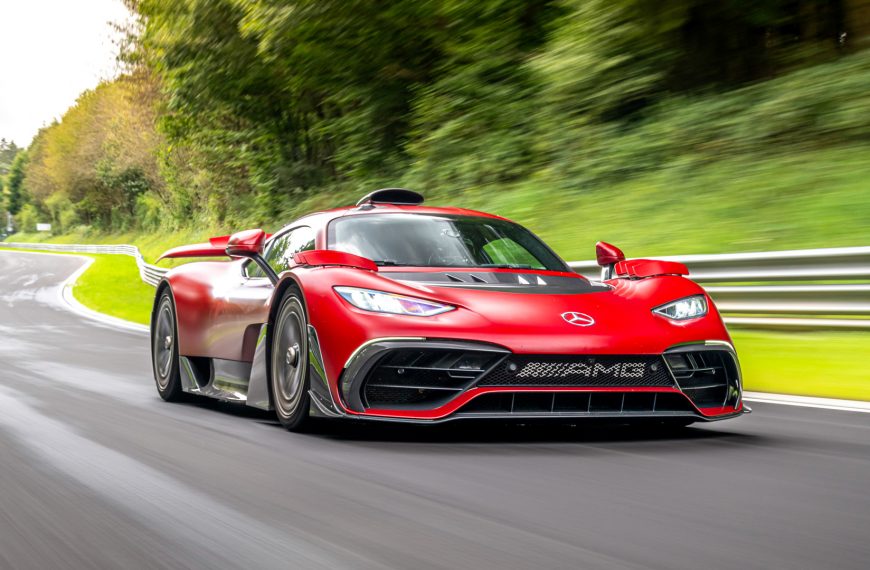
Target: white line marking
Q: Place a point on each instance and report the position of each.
(74, 305)
(70, 302)
(809, 402)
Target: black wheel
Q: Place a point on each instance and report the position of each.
(289, 363)
(164, 350)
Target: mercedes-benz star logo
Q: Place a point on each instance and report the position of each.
(578, 319)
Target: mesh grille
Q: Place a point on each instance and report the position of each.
(708, 377)
(424, 377)
(396, 396)
(580, 371)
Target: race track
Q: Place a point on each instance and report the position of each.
(97, 472)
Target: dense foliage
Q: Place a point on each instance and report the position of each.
(235, 111)
(8, 152)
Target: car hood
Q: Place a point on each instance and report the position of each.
(549, 312)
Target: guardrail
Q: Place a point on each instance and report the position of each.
(811, 289)
(828, 264)
(150, 274)
(801, 288)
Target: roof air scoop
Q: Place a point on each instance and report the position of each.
(396, 196)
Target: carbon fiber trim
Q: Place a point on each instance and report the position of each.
(579, 371)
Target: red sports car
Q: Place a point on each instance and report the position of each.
(391, 310)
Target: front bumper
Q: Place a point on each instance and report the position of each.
(428, 380)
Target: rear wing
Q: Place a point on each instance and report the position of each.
(215, 247)
(615, 266)
(640, 268)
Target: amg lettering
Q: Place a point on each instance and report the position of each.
(605, 369)
(566, 369)
(632, 369)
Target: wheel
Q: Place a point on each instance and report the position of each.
(164, 350)
(289, 363)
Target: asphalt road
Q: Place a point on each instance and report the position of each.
(97, 472)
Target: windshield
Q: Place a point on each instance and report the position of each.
(422, 240)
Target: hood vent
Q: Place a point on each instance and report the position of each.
(502, 281)
(468, 278)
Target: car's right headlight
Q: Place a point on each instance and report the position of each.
(383, 302)
(684, 309)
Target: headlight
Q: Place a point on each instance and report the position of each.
(383, 302)
(682, 309)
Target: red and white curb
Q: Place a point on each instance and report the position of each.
(808, 402)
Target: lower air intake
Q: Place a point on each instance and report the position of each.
(578, 404)
(423, 377)
(709, 377)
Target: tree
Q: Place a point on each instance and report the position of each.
(8, 151)
(100, 157)
(15, 194)
(241, 111)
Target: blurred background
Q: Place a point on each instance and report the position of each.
(668, 127)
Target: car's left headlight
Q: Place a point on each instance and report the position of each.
(383, 302)
(683, 309)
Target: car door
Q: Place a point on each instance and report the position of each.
(248, 299)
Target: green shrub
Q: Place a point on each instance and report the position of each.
(27, 218)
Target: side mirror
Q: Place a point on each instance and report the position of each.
(249, 243)
(246, 244)
(607, 255)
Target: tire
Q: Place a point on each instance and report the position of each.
(164, 350)
(288, 363)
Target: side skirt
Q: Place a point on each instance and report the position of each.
(258, 395)
(223, 380)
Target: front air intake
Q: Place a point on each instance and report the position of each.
(709, 377)
(423, 377)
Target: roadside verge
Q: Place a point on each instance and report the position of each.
(106, 288)
(66, 294)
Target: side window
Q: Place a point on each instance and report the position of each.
(300, 239)
(280, 252)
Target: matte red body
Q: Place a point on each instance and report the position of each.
(220, 312)
(245, 243)
(217, 246)
(608, 254)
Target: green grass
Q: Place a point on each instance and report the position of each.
(825, 364)
(112, 286)
(806, 200)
